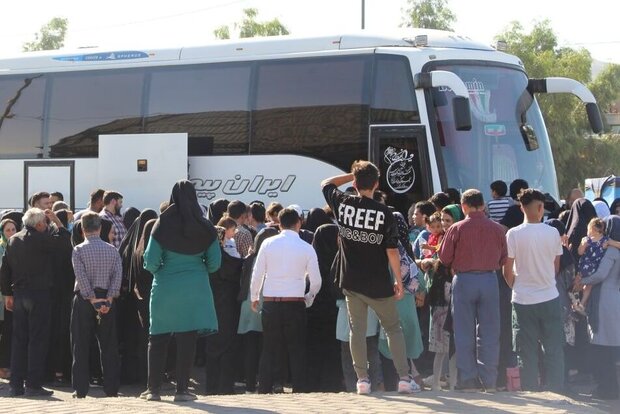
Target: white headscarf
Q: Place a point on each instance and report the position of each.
(602, 210)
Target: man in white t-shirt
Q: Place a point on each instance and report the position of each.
(534, 251)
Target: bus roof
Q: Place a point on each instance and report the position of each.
(228, 49)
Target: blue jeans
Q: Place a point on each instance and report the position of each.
(475, 310)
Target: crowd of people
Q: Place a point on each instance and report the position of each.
(355, 296)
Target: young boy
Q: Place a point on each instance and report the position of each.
(500, 203)
(227, 239)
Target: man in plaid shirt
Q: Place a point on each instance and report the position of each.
(98, 274)
(113, 202)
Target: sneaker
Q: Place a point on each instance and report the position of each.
(76, 395)
(408, 386)
(363, 386)
(184, 396)
(150, 396)
(428, 381)
(470, 385)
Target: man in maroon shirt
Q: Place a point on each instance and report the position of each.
(475, 248)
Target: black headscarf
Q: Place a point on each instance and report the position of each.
(566, 259)
(317, 217)
(248, 264)
(217, 209)
(614, 206)
(63, 216)
(325, 244)
(612, 227)
(16, 216)
(76, 235)
(129, 216)
(182, 228)
(129, 244)
(581, 212)
(104, 233)
(143, 279)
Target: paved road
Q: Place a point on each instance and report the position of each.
(384, 403)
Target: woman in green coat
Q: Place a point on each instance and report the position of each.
(182, 251)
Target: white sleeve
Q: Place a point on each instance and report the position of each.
(314, 275)
(510, 244)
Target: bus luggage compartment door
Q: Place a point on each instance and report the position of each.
(142, 167)
(400, 153)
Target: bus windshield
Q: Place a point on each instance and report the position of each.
(494, 148)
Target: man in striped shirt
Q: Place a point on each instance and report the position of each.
(98, 274)
(113, 202)
(497, 207)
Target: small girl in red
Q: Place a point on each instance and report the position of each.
(433, 225)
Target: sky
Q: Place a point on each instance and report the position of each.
(120, 24)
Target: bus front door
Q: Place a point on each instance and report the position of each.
(400, 153)
(50, 176)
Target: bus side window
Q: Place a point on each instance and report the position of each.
(21, 115)
(317, 107)
(209, 102)
(84, 105)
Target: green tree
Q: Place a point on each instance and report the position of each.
(429, 14)
(51, 36)
(249, 27)
(577, 153)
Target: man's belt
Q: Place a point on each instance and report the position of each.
(282, 299)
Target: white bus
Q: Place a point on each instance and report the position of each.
(267, 119)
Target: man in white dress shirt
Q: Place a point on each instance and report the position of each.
(282, 265)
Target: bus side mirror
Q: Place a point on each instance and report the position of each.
(529, 137)
(462, 113)
(565, 85)
(594, 116)
(451, 81)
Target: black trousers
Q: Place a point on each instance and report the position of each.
(6, 336)
(220, 351)
(158, 354)
(59, 358)
(84, 326)
(507, 357)
(284, 327)
(143, 337)
(252, 344)
(128, 326)
(324, 369)
(31, 334)
(603, 360)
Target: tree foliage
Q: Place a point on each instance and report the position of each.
(51, 36)
(429, 14)
(249, 27)
(577, 152)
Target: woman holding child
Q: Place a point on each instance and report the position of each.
(603, 326)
